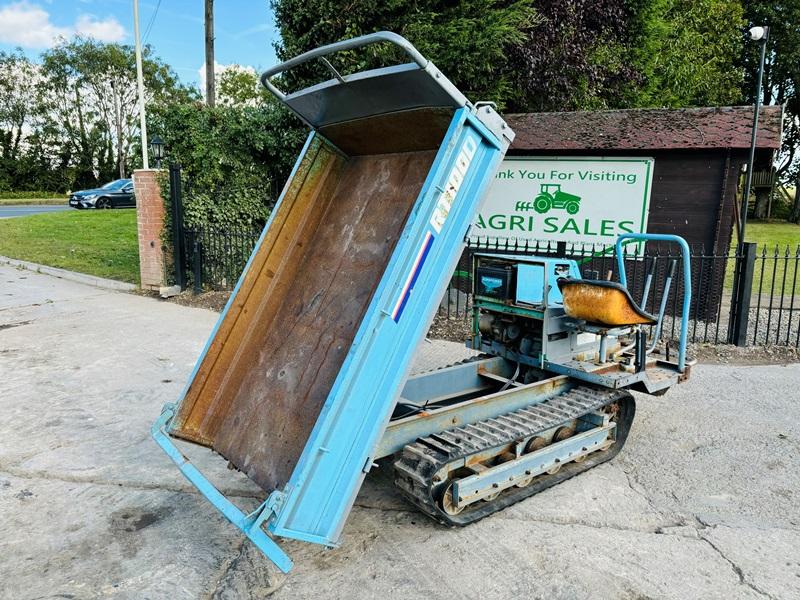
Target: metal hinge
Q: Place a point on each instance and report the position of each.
(368, 465)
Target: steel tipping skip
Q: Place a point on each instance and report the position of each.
(303, 370)
(304, 382)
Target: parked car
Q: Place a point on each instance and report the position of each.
(114, 194)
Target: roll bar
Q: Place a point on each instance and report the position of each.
(323, 51)
(687, 279)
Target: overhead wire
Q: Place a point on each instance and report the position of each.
(151, 22)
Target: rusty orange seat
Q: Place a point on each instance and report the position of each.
(602, 302)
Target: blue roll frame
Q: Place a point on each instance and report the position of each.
(687, 279)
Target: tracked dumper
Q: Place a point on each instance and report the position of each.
(304, 384)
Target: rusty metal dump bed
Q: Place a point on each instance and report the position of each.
(300, 376)
(270, 367)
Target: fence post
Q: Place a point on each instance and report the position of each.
(197, 265)
(743, 287)
(176, 201)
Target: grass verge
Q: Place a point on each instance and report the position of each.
(101, 242)
(772, 233)
(777, 268)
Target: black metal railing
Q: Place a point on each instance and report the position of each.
(770, 315)
(215, 258)
(776, 296)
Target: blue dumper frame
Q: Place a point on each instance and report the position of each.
(314, 503)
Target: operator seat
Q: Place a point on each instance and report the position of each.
(604, 303)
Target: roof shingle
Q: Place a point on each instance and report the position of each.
(647, 129)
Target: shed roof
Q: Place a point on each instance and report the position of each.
(647, 129)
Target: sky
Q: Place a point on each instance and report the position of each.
(244, 29)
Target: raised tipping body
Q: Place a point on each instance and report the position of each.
(300, 376)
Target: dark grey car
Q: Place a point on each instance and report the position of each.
(115, 194)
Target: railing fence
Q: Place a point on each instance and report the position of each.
(743, 296)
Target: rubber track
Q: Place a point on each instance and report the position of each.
(420, 461)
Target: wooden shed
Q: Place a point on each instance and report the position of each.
(699, 154)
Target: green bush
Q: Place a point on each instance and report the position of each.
(26, 195)
(234, 160)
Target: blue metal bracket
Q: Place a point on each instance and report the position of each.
(687, 279)
(249, 524)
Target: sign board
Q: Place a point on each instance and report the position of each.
(579, 200)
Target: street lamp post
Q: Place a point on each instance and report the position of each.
(757, 34)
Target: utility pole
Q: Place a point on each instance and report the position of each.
(140, 84)
(210, 83)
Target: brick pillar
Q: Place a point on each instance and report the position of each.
(150, 223)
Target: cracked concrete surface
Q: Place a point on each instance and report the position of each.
(702, 502)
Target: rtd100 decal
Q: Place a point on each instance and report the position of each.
(454, 181)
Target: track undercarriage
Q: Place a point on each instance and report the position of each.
(461, 475)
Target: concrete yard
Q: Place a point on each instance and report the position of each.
(704, 501)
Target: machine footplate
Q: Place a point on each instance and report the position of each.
(513, 446)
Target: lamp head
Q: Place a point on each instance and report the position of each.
(157, 145)
(759, 33)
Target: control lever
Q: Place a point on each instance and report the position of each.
(640, 352)
(662, 309)
(648, 280)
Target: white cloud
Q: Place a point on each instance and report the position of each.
(106, 30)
(219, 70)
(28, 25)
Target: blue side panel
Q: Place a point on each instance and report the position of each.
(530, 283)
(323, 486)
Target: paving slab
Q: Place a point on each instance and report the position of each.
(702, 502)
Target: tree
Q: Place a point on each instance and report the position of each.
(468, 40)
(18, 109)
(573, 57)
(90, 97)
(543, 55)
(794, 213)
(781, 83)
(239, 86)
(686, 53)
(234, 158)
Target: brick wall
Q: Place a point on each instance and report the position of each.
(150, 222)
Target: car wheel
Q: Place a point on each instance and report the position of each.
(102, 203)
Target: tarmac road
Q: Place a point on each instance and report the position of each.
(6, 212)
(702, 503)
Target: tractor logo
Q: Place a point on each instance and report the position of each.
(550, 197)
